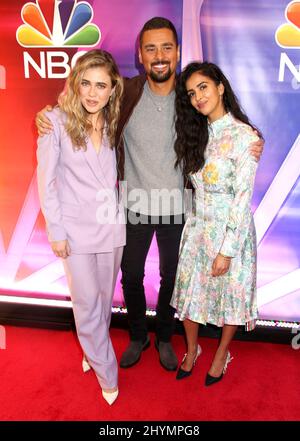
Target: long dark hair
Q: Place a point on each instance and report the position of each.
(192, 126)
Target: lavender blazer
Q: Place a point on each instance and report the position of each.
(78, 192)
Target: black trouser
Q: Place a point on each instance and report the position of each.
(138, 241)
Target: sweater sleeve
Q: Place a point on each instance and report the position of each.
(240, 213)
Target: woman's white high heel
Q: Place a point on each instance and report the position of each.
(110, 397)
(85, 365)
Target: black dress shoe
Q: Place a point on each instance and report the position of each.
(133, 352)
(209, 380)
(167, 356)
(183, 374)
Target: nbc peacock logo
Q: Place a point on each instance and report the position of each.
(57, 23)
(288, 34)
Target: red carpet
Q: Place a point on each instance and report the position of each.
(41, 379)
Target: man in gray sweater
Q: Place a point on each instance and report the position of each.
(154, 187)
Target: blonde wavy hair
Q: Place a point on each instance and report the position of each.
(78, 126)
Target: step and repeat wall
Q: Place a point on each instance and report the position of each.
(257, 45)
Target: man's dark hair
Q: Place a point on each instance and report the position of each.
(158, 23)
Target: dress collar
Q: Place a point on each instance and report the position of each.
(220, 124)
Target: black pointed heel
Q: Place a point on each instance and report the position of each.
(209, 380)
(184, 374)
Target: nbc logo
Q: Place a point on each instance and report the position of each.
(56, 24)
(288, 36)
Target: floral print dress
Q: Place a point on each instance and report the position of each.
(221, 221)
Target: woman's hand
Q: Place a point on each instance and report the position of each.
(61, 248)
(220, 265)
(43, 123)
(256, 148)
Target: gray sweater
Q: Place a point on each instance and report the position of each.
(154, 187)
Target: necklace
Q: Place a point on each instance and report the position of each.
(98, 129)
(159, 106)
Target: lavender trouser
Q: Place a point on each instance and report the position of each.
(91, 280)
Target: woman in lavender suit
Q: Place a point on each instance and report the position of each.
(77, 180)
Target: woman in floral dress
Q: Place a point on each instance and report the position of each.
(216, 275)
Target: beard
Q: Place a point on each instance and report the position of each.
(160, 77)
